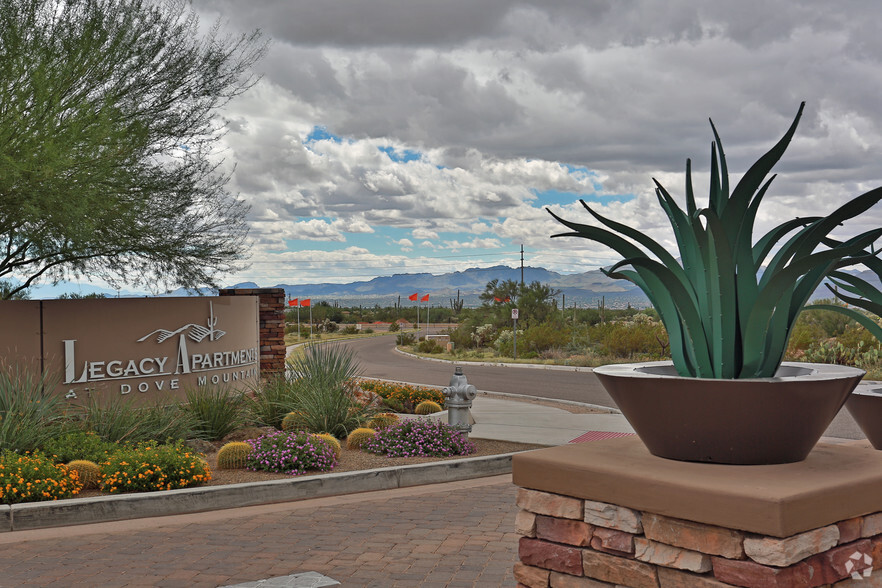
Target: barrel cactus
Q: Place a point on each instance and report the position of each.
(332, 441)
(233, 455)
(427, 407)
(88, 472)
(383, 420)
(293, 421)
(359, 437)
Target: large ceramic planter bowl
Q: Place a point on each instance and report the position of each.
(756, 421)
(865, 405)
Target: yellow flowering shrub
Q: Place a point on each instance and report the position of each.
(402, 393)
(34, 478)
(148, 467)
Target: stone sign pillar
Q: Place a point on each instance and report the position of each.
(271, 316)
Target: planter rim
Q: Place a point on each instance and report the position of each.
(870, 388)
(788, 371)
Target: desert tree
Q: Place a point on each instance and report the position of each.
(109, 129)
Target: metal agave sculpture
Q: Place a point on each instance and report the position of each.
(729, 310)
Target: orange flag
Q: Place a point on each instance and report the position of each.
(424, 298)
(292, 302)
(414, 296)
(305, 302)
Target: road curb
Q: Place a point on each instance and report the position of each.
(533, 366)
(80, 511)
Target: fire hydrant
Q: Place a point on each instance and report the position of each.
(459, 396)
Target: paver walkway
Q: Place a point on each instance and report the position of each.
(459, 534)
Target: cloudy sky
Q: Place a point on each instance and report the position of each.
(393, 136)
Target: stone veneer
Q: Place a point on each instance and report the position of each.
(271, 315)
(570, 539)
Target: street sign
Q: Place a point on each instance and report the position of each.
(514, 314)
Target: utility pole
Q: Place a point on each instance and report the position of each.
(522, 265)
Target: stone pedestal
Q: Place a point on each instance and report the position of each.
(608, 513)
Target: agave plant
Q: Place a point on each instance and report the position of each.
(729, 304)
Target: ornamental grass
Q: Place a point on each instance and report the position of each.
(421, 437)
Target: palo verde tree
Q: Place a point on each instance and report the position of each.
(108, 120)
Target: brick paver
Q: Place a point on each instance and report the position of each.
(455, 534)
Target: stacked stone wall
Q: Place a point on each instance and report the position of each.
(569, 542)
(271, 316)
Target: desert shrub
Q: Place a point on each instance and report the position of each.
(323, 398)
(332, 441)
(216, 412)
(350, 330)
(27, 413)
(630, 340)
(268, 403)
(34, 478)
(419, 438)
(75, 445)
(383, 420)
(118, 419)
(398, 396)
(290, 453)
(504, 343)
(367, 331)
(543, 337)
(357, 438)
(404, 339)
(484, 335)
(394, 327)
(427, 407)
(429, 346)
(147, 467)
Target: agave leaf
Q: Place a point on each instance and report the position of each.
(723, 302)
(724, 173)
(716, 200)
(750, 182)
(856, 285)
(690, 194)
(764, 246)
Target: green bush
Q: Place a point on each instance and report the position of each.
(34, 478)
(322, 397)
(119, 420)
(429, 346)
(404, 339)
(394, 327)
(350, 330)
(148, 467)
(270, 402)
(216, 412)
(419, 438)
(291, 453)
(28, 415)
(75, 445)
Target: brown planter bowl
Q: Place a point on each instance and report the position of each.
(865, 405)
(748, 422)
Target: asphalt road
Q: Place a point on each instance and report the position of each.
(379, 359)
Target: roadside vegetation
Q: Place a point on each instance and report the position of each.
(51, 450)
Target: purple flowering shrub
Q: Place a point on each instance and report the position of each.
(419, 438)
(290, 453)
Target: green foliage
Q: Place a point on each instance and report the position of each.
(233, 455)
(88, 472)
(332, 442)
(383, 420)
(730, 307)
(394, 327)
(271, 401)
(350, 330)
(630, 340)
(216, 412)
(402, 397)
(78, 445)
(419, 438)
(322, 391)
(429, 346)
(34, 478)
(427, 407)
(109, 118)
(118, 419)
(403, 339)
(27, 411)
(359, 437)
(291, 453)
(147, 467)
(535, 301)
